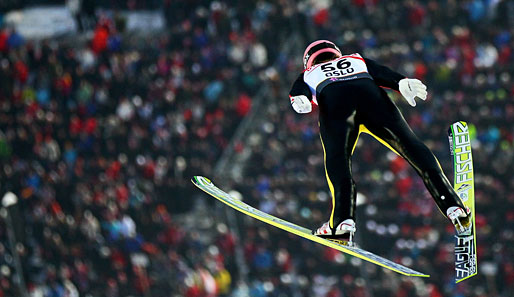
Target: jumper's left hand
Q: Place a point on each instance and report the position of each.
(411, 88)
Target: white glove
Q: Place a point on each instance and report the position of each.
(411, 88)
(301, 104)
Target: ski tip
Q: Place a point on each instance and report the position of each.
(462, 122)
(195, 179)
(198, 179)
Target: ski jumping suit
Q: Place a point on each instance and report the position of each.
(351, 101)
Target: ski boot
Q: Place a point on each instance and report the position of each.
(461, 219)
(342, 234)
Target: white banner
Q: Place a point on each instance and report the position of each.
(42, 22)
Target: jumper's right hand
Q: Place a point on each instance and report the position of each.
(301, 104)
(411, 88)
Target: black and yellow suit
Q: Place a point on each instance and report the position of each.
(347, 108)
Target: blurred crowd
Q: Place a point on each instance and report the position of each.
(99, 139)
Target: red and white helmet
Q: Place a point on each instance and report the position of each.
(316, 48)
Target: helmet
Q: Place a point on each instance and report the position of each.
(316, 48)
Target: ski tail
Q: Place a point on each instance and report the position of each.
(464, 185)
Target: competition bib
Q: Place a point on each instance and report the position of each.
(341, 69)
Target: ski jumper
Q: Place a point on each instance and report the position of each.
(351, 100)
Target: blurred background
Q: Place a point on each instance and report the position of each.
(107, 108)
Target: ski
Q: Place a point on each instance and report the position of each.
(208, 187)
(463, 183)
